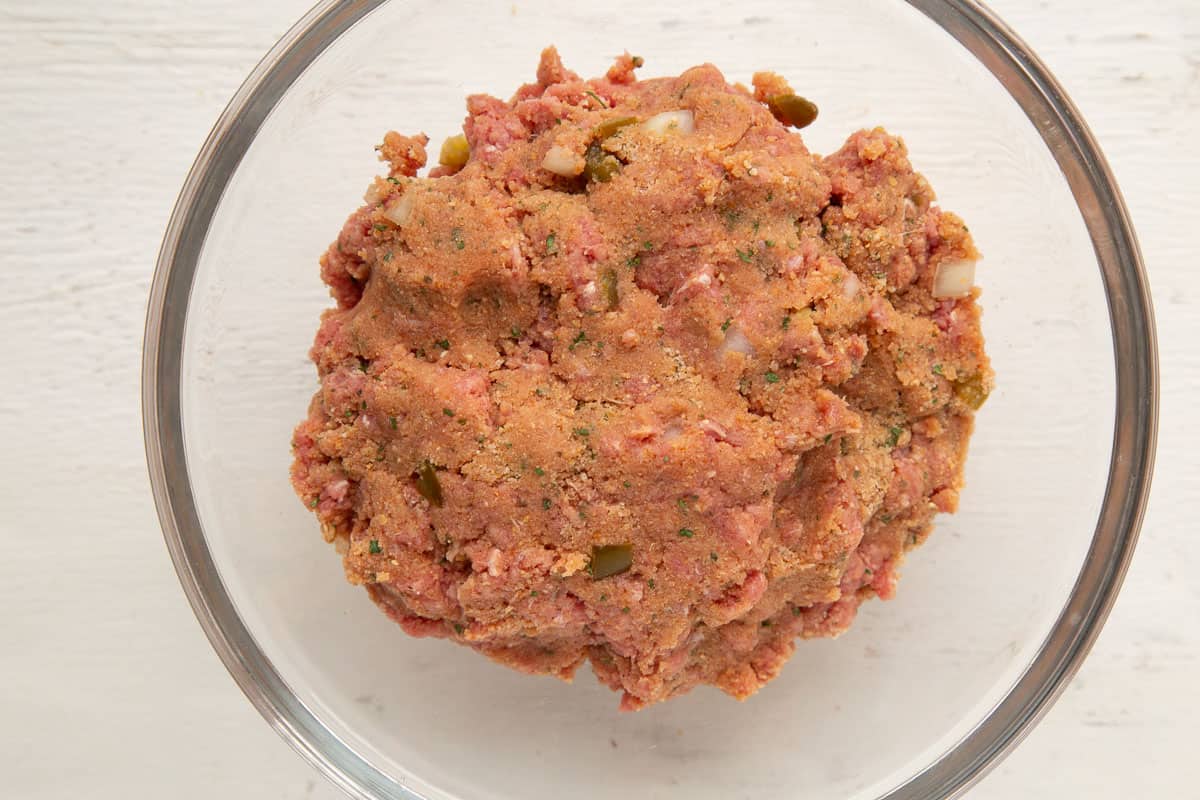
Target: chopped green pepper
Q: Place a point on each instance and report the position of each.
(792, 109)
(428, 484)
(610, 126)
(608, 286)
(611, 559)
(598, 165)
(455, 151)
(971, 390)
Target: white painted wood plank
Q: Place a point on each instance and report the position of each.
(97, 639)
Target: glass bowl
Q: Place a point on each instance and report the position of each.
(925, 692)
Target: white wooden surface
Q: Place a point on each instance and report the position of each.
(107, 686)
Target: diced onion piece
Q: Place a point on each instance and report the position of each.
(670, 122)
(736, 342)
(400, 209)
(562, 161)
(850, 286)
(376, 192)
(953, 279)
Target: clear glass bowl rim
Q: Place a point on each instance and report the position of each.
(1134, 434)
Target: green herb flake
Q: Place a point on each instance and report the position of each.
(626, 484)
(725, 325)
(444, 344)
(771, 377)
(534, 593)
(828, 436)
(687, 533)
(766, 623)
(313, 503)
(551, 245)
(458, 628)
(545, 503)
(392, 422)
(746, 256)
(579, 339)
(625, 610)
(597, 98)
(937, 369)
(585, 432)
(787, 321)
(648, 245)
(894, 436)
(769, 242)
(650, 583)
(633, 261)
(396, 181)
(539, 471)
(374, 548)
(456, 236)
(447, 412)
(379, 226)
(515, 332)
(712, 556)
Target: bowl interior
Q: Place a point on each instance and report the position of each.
(849, 718)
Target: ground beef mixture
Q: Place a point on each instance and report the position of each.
(634, 378)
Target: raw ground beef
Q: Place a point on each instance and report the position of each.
(726, 364)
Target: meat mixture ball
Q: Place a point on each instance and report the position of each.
(634, 378)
